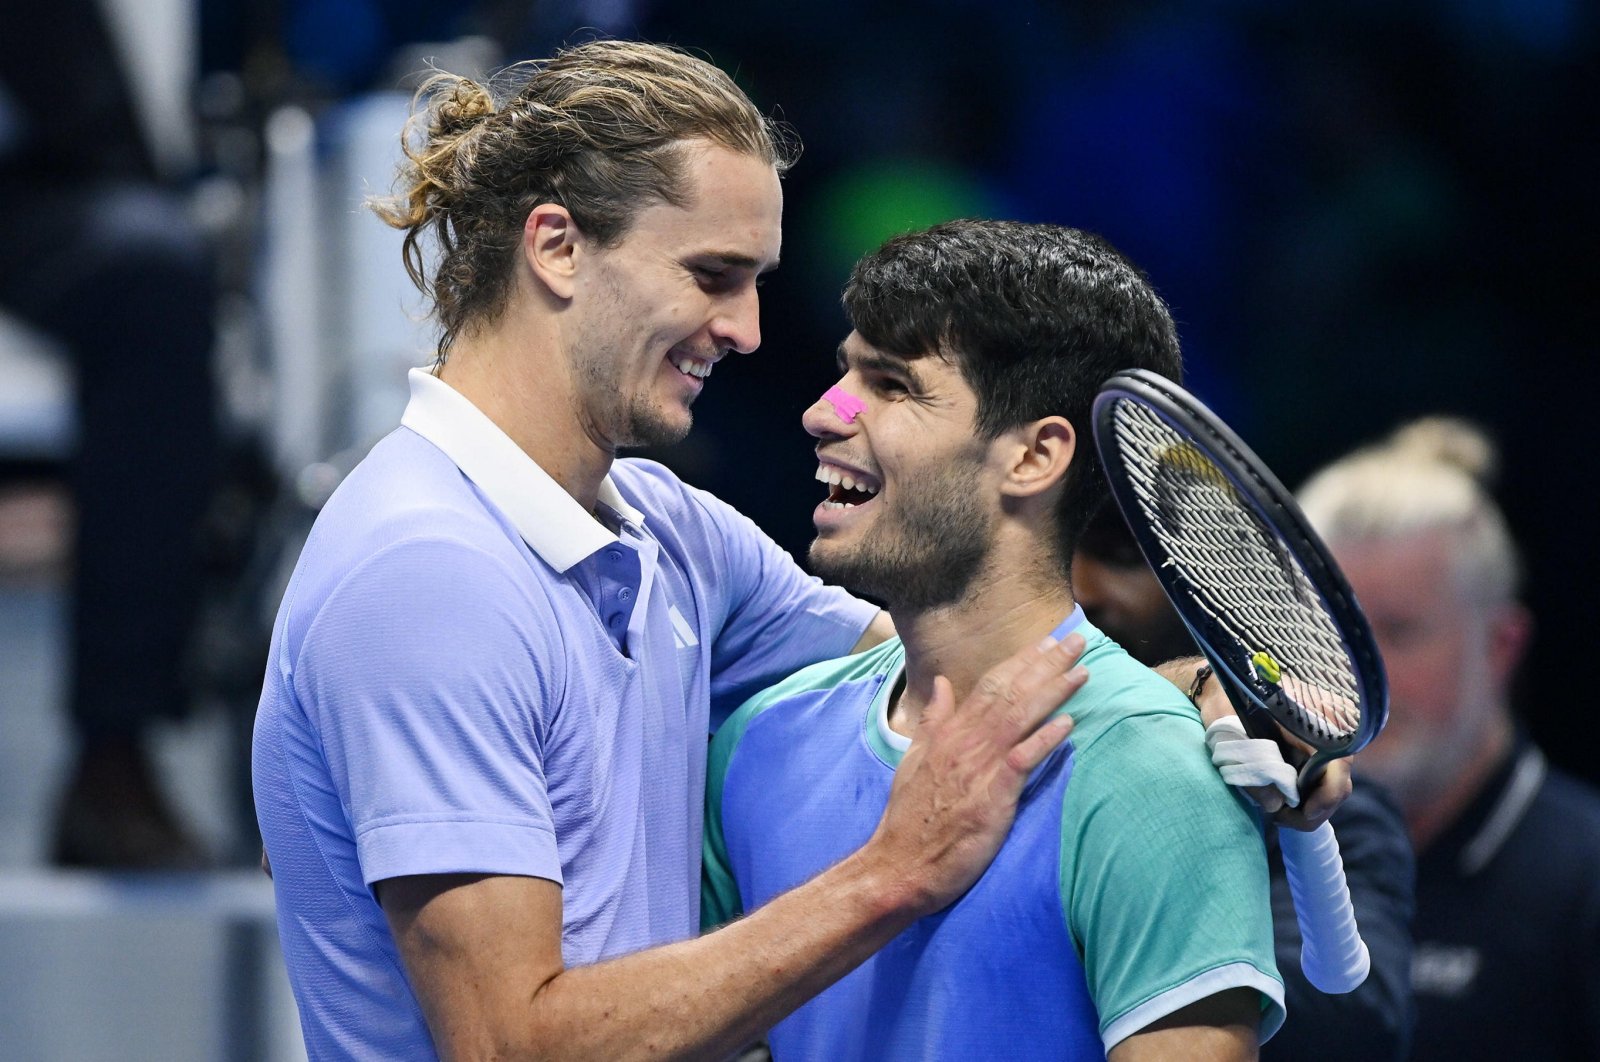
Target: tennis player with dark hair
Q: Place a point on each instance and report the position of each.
(1508, 848)
(1127, 913)
(479, 759)
(1121, 595)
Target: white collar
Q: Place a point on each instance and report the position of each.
(549, 519)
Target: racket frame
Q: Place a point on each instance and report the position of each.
(1275, 509)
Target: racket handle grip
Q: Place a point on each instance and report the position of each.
(1332, 954)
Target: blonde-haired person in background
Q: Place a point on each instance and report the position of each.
(1508, 875)
(479, 759)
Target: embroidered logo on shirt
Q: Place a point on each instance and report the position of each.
(682, 633)
(1444, 969)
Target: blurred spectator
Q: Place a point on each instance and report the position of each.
(102, 258)
(1121, 596)
(1508, 873)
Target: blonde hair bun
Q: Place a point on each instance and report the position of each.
(1451, 441)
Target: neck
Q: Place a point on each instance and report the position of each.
(1427, 818)
(514, 372)
(963, 640)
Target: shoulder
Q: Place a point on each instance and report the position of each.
(405, 489)
(406, 548)
(1120, 691)
(1573, 802)
(810, 690)
(655, 489)
(676, 507)
(823, 677)
(1560, 832)
(1140, 749)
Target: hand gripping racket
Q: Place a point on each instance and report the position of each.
(1267, 605)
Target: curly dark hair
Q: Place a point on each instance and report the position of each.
(1035, 316)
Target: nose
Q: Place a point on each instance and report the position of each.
(738, 325)
(821, 419)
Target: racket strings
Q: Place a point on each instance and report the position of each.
(1242, 577)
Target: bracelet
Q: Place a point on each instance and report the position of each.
(1199, 682)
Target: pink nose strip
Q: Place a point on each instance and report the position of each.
(845, 404)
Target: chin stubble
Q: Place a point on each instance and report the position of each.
(926, 557)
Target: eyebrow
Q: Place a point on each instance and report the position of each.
(878, 361)
(735, 260)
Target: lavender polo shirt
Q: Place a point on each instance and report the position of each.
(471, 674)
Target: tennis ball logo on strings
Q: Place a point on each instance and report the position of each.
(1267, 669)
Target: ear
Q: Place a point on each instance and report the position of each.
(552, 245)
(1037, 456)
(1510, 631)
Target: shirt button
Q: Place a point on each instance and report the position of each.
(625, 594)
(615, 620)
(615, 556)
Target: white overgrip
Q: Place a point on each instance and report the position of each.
(1332, 954)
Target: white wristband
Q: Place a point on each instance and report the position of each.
(1248, 761)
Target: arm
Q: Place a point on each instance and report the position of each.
(484, 953)
(484, 957)
(1219, 1028)
(1165, 887)
(880, 630)
(775, 617)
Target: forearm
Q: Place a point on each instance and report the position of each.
(701, 998)
(706, 998)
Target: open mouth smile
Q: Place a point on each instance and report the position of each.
(699, 368)
(847, 488)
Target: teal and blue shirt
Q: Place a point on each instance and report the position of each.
(470, 673)
(1133, 882)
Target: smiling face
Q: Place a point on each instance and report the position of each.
(675, 295)
(912, 502)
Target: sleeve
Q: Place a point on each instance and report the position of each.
(720, 902)
(778, 620)
(427, 680)
(1374, 1021)
(1164, 878)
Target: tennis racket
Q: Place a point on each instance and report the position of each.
(1268, 607)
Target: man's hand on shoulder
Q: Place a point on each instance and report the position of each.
(955, 793)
